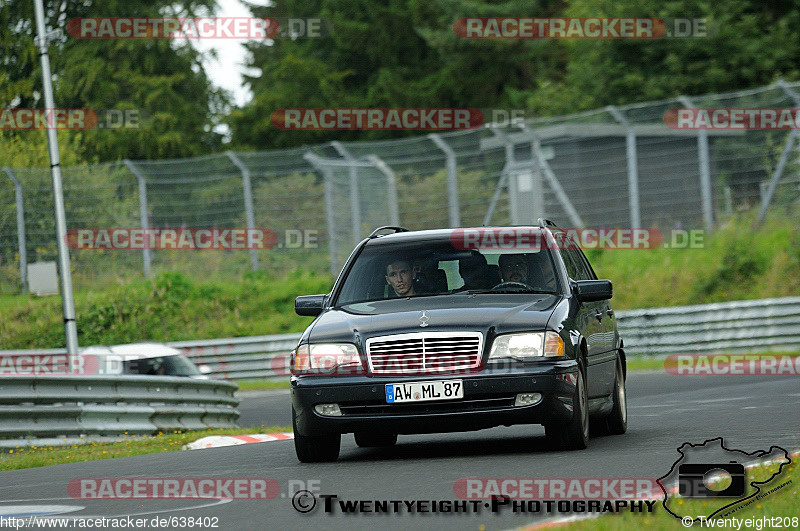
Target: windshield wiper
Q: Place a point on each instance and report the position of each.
(504, 291)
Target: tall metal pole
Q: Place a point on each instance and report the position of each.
(68, 305)
(452, 179)
(147, 253)
(705, 170)
(633, 167)
(249, 210)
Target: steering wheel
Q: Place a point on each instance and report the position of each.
(510, 284)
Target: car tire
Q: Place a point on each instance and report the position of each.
(572, 435)
(374, 440)
(617, 420)
(317, 449)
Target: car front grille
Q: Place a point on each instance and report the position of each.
(425, 353)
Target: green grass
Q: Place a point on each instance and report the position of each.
(736, 264)
(36, 456)
(170, 307)
(262, 385)
(781, 503)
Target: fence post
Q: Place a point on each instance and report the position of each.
(249, 212)
(776, 176)
(330, 220)
(705, 170)
(547, 171)
(23, 251)
(391, 182)
(633, 167)
(143, 219)
(510, 179)
(452, 179)
(355, 204)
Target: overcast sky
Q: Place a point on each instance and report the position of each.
(226, 71)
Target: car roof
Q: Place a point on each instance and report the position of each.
(439, 234)
(133, 350)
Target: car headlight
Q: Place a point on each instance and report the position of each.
(526, 346)
(325, 358)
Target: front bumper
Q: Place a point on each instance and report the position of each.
(488, 401)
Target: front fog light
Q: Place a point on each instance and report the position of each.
(328, 410)
(527, 399)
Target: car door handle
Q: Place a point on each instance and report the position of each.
(610, 312)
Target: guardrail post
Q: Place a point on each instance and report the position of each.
(249, 211)
(452, 179)
(23, 251)
(391, 183)
(355, 204)
(705, 170)
(143, 219)
(787, 148)
(330, 220)
(633, 167)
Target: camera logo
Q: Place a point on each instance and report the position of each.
(704, 480)
(717, 476)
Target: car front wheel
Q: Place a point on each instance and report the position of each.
(316, 449)
(618, 418)
(573, 435)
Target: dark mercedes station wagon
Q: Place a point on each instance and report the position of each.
(457, 330)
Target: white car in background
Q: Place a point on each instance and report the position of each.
(144, 359)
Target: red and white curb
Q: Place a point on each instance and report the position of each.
(218, 441)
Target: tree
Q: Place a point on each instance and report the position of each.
(162, 79)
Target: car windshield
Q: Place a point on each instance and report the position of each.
(161, 366)
(419, 269)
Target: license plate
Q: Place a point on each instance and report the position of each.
(424, 391)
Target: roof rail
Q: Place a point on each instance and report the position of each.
(544, 223)
(374, 234)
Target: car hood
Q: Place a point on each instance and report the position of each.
(487, 313)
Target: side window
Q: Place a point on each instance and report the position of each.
(572, 270)
(585, 263)
(571, 254)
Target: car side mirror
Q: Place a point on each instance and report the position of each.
(593, 290)
(310, 305)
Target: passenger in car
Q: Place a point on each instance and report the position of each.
(475, 272)
(400, 277)
(513, 268)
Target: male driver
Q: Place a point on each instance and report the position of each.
(400, 277)
(513, 268)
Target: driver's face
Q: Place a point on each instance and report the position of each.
(400, 276)
(515, 271)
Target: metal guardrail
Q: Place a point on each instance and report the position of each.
(739, 326)
(65, 406)
(240, 358)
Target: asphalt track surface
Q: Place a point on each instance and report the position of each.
(664, 411)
